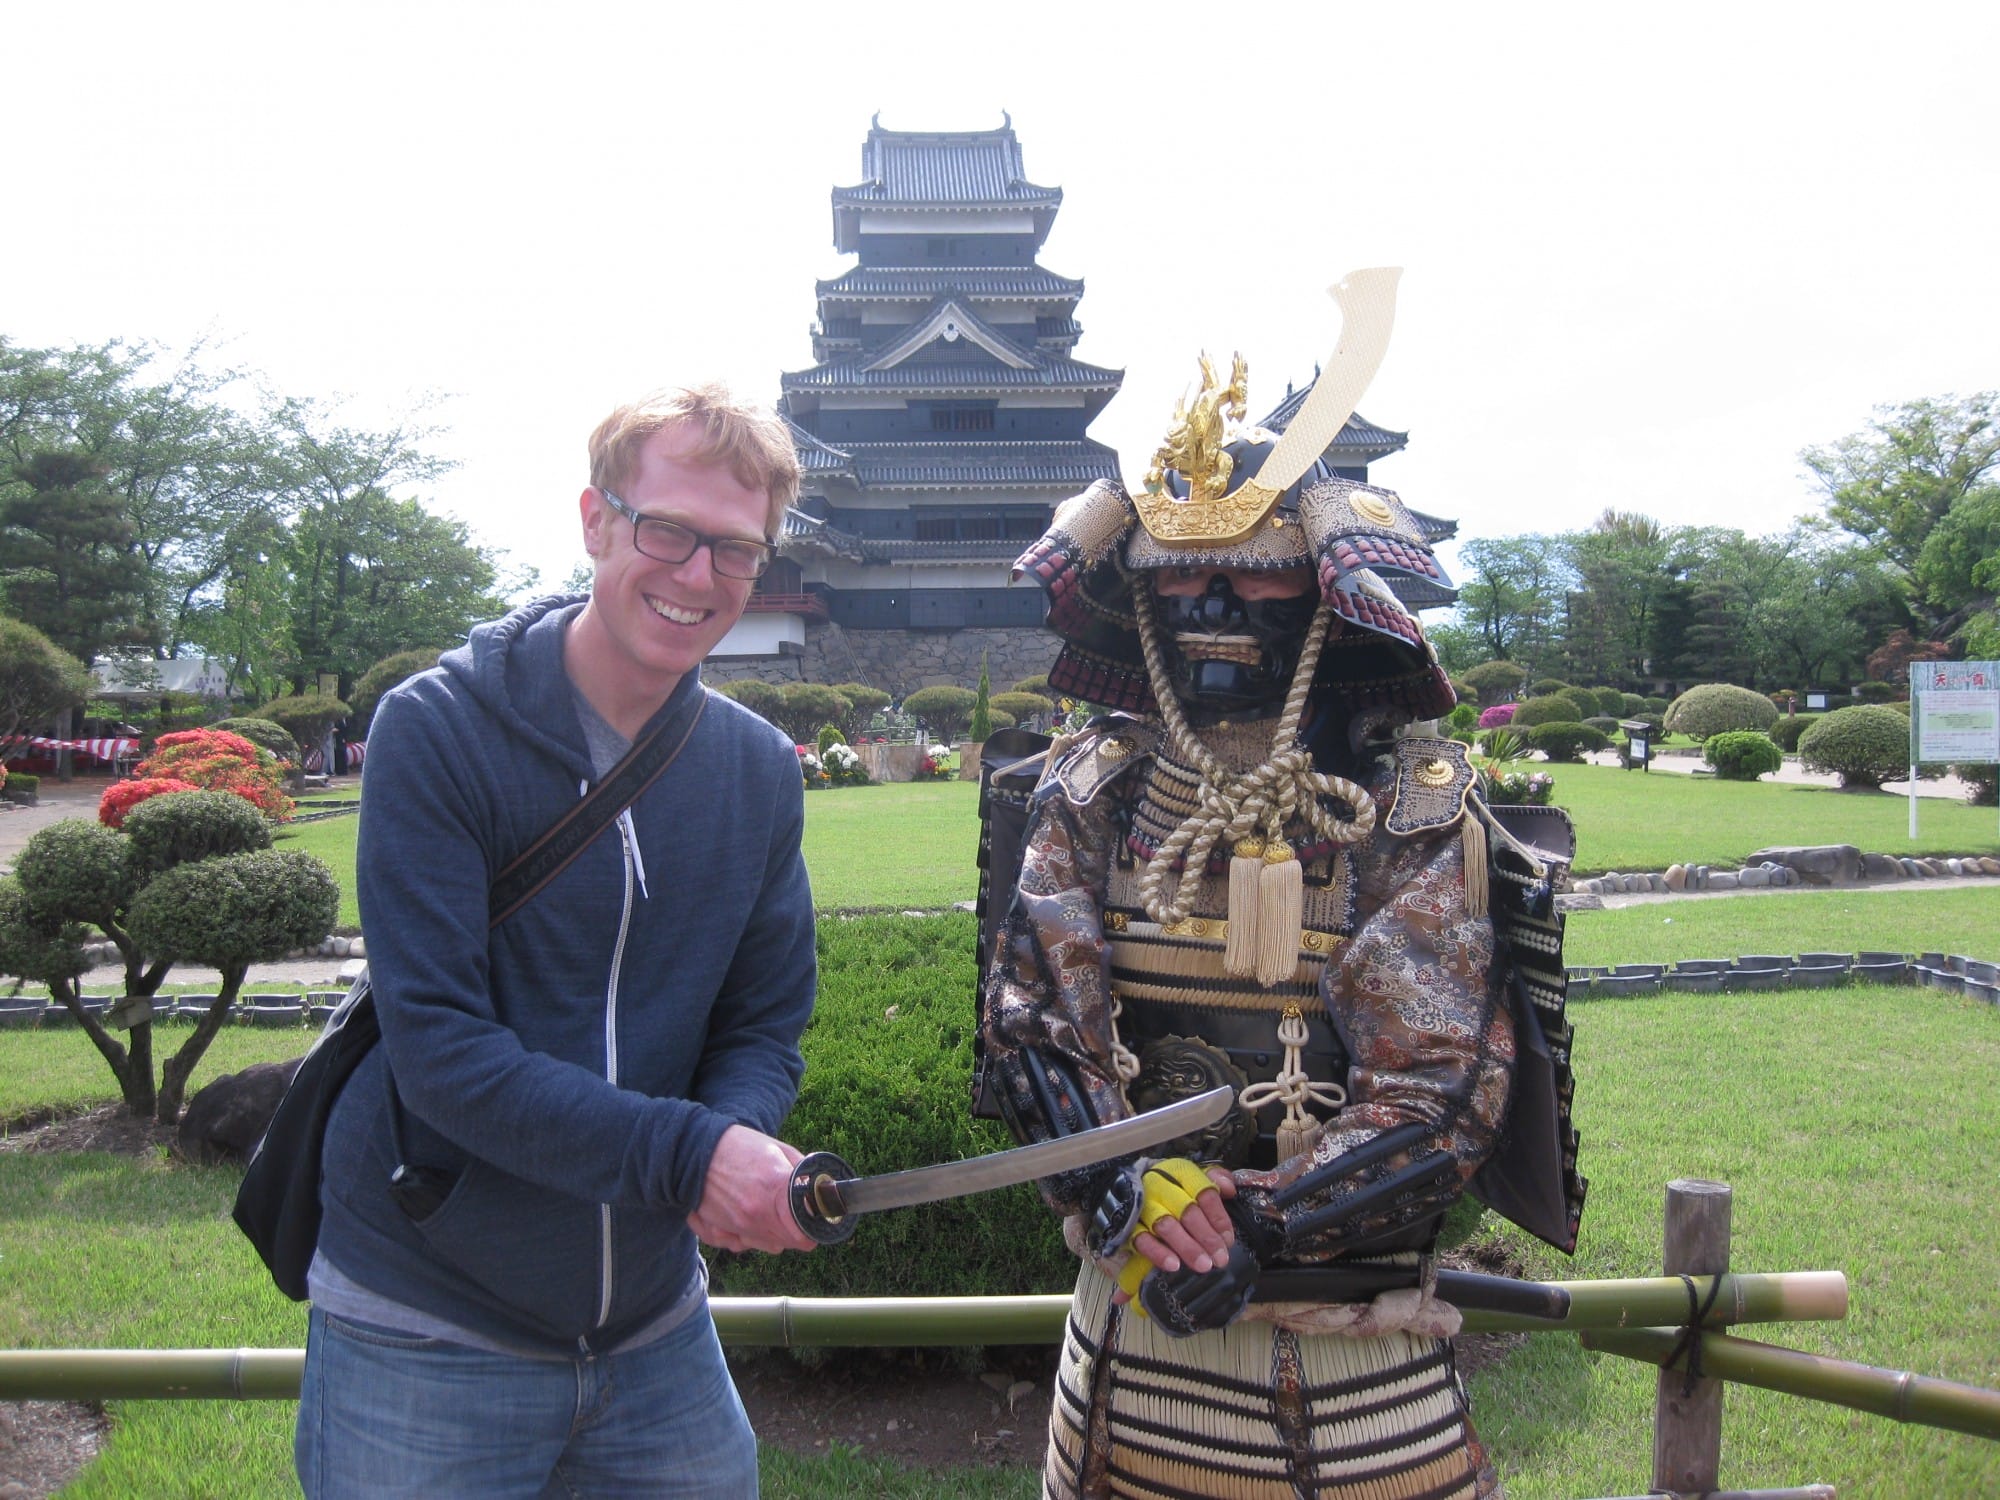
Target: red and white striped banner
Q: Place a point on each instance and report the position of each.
(355, 750)
(102, 749)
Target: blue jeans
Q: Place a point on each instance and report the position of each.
(385, 1414)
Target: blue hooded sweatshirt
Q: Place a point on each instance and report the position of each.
(576, 1065)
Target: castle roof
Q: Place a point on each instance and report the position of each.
(929, 171)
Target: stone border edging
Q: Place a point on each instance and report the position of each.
(1954, 973)
(1816, 865)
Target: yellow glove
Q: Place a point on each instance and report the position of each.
(1166, 1191)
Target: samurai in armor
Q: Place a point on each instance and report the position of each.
(1270, 871)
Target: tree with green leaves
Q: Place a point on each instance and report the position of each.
(1896, 483)
(38, 679)
(65, 554)
(1513, 596)
(190, 877)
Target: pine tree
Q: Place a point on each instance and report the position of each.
(982, 720)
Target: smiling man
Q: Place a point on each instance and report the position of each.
(507, 1295)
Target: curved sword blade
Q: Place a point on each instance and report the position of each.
(958, 1179)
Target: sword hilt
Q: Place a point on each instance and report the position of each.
(815, 1198)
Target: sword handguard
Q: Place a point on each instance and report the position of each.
(815, 1198)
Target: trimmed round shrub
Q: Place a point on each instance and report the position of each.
(76, 870)
(866, 703)
(1611, 702)
(1498, 716)
(1604, 724)
(184, 826)
(1023, 706)
(1865, 745)
(1877, 692)
(888, 1075)
(308, 716)
(1464, 691)
(265, 734)
(1585, 701)
(1785, 733)
(1566, 741)
(1495, 681)
(240, 909)
(1039, 683)
(1653, 705)
(945, 710)
(33, 947)
(1630, 705)
(1462, 716)
(1982, 784)
(804, 706)
(1717, 708)
(1742, 754)
(1547, 710)
(764, 699)
(378, 679)
(1547, 686)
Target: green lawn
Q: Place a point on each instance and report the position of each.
(911, 845)
(1893, 919)
(1647, 820)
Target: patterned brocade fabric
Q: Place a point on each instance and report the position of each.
(1407, 979)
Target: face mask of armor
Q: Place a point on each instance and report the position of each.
(1229, 655)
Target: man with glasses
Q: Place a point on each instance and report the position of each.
(589, 1086)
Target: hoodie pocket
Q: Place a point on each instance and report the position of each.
(531, 1248)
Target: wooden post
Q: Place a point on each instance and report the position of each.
(1687, 1430)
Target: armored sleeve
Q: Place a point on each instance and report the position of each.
(1418, 1004)
(1048, 1022)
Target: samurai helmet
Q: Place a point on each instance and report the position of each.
(1220, 497)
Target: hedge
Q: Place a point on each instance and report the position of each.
(1865, 745)
(1548, 709)
(1717, 708)
(1742, 754)
(1785, 733)
(1566, 741)
(888, 1087)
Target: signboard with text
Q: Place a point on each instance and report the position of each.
(1955, 712)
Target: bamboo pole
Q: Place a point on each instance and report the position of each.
(1687, 1414)
(1907, 1397)
(902, 1322)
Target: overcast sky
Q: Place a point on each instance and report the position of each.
(1651, 252)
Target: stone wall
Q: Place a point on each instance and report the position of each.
(901, 661)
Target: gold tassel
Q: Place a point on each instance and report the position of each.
(1281, 904)
(1472, 837)
(1239, 952)
(1296, 1140)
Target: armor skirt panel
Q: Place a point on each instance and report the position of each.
(1253, 1412)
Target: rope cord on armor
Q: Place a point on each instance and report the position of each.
(1235, 806)
(1689, 1343)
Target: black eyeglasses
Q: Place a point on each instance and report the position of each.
(670, 542)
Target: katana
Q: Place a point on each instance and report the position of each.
(827, 1197)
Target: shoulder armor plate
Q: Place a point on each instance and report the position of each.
(1105, 751)
(1432, 779)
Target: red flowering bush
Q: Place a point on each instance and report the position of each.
(122, 796)
(214, 760)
